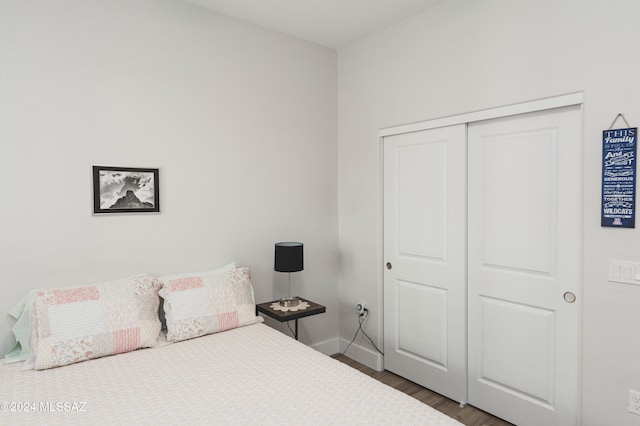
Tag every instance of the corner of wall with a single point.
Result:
(328, 347)
(363, 355)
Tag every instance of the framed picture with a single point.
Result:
(125, 190)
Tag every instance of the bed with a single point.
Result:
(249, 374)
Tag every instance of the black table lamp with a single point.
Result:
(288, 258)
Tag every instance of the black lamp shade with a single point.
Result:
(288, 257)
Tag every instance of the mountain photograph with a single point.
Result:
(125, 189)
(130, 201)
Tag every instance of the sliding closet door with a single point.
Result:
(525, 204)
(425, 255)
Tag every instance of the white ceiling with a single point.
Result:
(331, 23)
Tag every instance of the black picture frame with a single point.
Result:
(125, 190)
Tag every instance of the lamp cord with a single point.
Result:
(361, 319)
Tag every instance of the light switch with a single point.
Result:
(627, 272)
(615, 270)
(624, 271)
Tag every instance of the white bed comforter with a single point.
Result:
(250, 375)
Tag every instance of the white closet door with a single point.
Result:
(425, 250)
(525, 204)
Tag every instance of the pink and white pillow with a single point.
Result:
(79, 323)
(200, 304)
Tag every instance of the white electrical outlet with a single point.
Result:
(360, 308)
(634, 402)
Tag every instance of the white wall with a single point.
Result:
(241, 121)
(470, 55)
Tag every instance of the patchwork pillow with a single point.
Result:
(79, 323)
(165, 278)
(196, 305)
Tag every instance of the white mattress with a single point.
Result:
(250, 375)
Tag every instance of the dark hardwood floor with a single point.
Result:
(468, 415)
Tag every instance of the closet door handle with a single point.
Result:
(569, 297)
(389, 265)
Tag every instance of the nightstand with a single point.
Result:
(313, 309)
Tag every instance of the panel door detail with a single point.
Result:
(524, 242)
(425, 242)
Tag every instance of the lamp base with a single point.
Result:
(288, 302)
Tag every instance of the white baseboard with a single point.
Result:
(359, 353)
(363, 355)
(328, 347)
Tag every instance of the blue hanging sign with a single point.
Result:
(619, 177)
